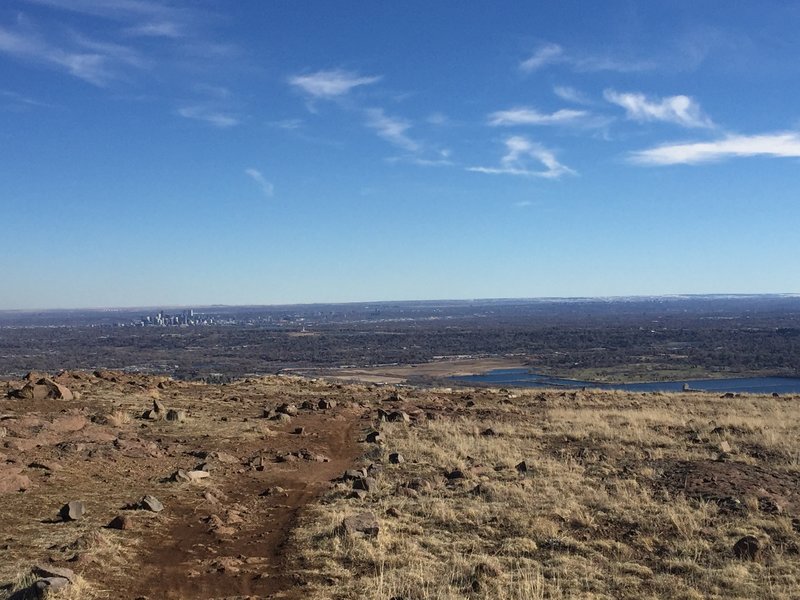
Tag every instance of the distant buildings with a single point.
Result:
(186, 318)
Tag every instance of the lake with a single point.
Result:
(526, 378)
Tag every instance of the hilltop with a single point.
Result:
(286, 487)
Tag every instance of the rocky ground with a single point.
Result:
(127, 486)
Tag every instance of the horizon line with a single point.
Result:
(440, 300)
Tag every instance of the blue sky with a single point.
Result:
(179, 153)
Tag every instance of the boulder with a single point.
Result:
(176, 415)
(362, 524)
(287, 409)
(368, 484)
(42, 588)
(49, 571)
(151, 503)
(747, 548)
(72, 511)
(42, 389)
(396, 458)
(121, 522)
(12, 480)
(398, 416)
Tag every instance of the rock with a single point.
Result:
(152, 415)
(398, 416)
(358, 494)
(368, 484)
(151, 503)
(189, 476)
(489, 432)
(725, 447)
(176, 415)
(326, 404)
(121, 522)
(393, 512)
(299, 430)
(747, 548)
(48, 571)
(47, 585)
(364, 524)
(282, 418)
(353, 474)
(396, 458)
(12, 480)
(308, 405)
(382, 415)
(288, 409)
(455, 474)
(522, 468)
(72, 511)
(273, 491)
(374, 437)
(42, 389)
(69, 423)
(158, 407)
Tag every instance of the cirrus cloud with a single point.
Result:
(776, 145)
(681, 110)
(332, 83)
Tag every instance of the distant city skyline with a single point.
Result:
(175, 153)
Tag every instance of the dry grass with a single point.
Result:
(595, 516)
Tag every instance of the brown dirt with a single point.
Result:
(217, 538)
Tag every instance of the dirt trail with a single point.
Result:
(189, 561)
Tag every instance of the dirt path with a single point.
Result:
(193, 559)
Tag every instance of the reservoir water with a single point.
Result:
(526, 378)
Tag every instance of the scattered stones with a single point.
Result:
(363, 524)
(374, 437)
(121, 522)
(747, 548)
(176, 415)
(151, 503)
(396, 458)
(72, 511)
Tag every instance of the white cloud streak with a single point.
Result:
(775, 145)
(545, 55)
(392, 129)
(95, 62)
(208, 115)
(530, 116)
(266, 187)
(551, 54)
(681, 110)
(570, 94)
(331, 84)
(521, 152)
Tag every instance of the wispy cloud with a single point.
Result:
(545, 55)
(287, 124)
(95, 62)
(521, 154)
(113, 9)
(777, 145)
(331, 84)
(530, 116)
(162, 29)
(392, 129)
(681, 110)
(551, 54)
(570, 94)
(208, 115)
(266, 186)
